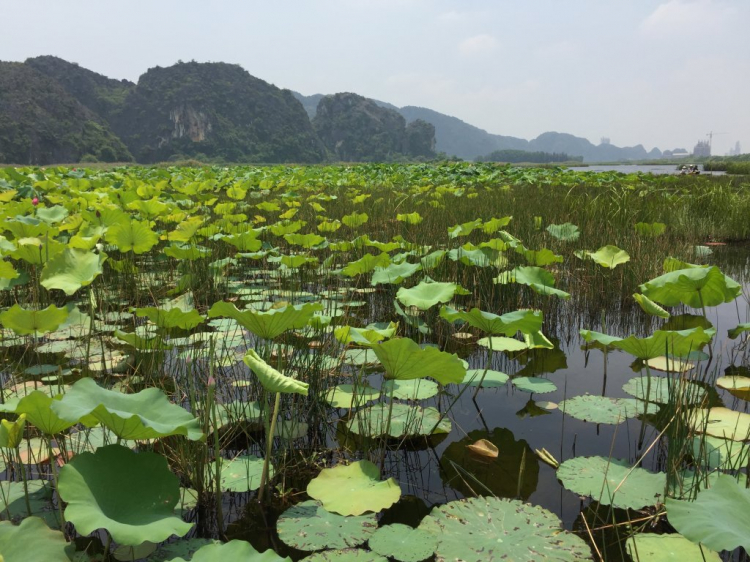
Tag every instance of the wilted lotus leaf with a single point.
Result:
(242, 474)
(426, 295)
(612, 482)
(353, 489)
(484, 448)
(403, 543)
(71, 270)
(31, 540)
(480, 529)
(722, 422)
(271, 379)
(416, 389)
(643, 547)
(602, 409)
(660, 389)
(694, 286)
(405, 421)
(131, 495)
(404, 359)
(718, 518)
(307, 526)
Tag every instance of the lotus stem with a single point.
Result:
(269, 446)
(487, 368)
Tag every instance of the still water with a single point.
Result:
(656, 169)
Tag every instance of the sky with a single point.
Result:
(661, 73)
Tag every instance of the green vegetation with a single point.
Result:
(519, 156)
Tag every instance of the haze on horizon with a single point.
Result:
(656, 72)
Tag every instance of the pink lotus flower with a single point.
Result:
(35, 201)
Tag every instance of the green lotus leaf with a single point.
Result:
(723, 454)
(186, 230)
(480, 529)
(230, 551)
(734, 383)
(304, 240)
(71, 270)
(267, 324)
(524, 321)
(131, 495)
(132, 236)
(171, 318)
(31, 540)
(308, 526)
(734, 333)
(37, 251)
(664, 342)
(26, 322)
(403, 543)
(365, 336)
(503, 344)
(349, 396)
(415, 389)
(650, 547)
(492, 379)
(599, 340)
(271, 379)
(245, 241)
(147, 343)
(405, 421)
(409, 218)
(149, 209)
(696, 287)
(540, 280)
(606, 256)
(189, 252)
(242, 474)
(52, 215)
(13, 497)
(660, 389)
(464, 229)
(36, 406)
(535, 385)
(426, 295)
(612, 482)
(602, 409)
(329, 226)
(394, 274)
(354, 220)
(567, 232)
(365, 264)
(147, 414)
(345, 555)
(650, 229)
(650, 307)
(722, 422)
(718, 518)
(478, 257)
(539, 258)
(404, 359)
(7, 271)
(353, 489)
(11, 432)
(180, 550)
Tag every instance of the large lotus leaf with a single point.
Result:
(426, 295)
(602, 409)
(405, 421)
(267, 324)
(31, 540)
(271, 379)
(7, 271)
(52, 215)
(488, 378)
(172, 318)
(665, 342)
(694, 286)
(403, 543)
(599, 340)
(612, 482)
(242, 474)
(133, 235)
(650, 547)
(349, 396)
(395, 273)
(230, 551)
(365, 264)
(606, 256)
(25, 322)
(143, 343)
(353, 489)
(345, 555)
(71, 270)
(304, 240)
(567, 232)
(365, 336)
(525, 321)
(722, 422)
(483, 529)
(131, 495)
(724, 454)
(718, 518)
(147, 414)
(537, 385)
(403, 359)
(307, 526)
(659, 390)
(503, 344)
(37, 409)
(540, 280)
(13, 501)
(414, 389)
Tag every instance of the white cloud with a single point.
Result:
(478, 44)
(683, 16)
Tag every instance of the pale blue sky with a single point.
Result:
(657, 72)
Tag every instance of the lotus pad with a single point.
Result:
(345, 555)
(185, 548)
(131, 495)
(722, 422)
(230, 551)
(611, 482)
(307, 526)
(492, 379)
(415, 389)
(242, 474)
(661, 387)
(483, 529)
(406, 421)
(353, 489)
(719, 517)
(344, 395)
(534, 384)
(601, 409)
(31, 540)
(734, 383)
(650, 547)
(403, 543)
(426, 295)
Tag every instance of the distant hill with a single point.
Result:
(41, 123)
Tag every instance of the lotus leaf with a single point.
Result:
(271, 379)
(695, 286)
(534, 384)
(171, 318)
(349, 396)
(131, 495)
(525, 321)
(661, 342)
(26, 322)
(650, 547)
(147, 414)
(132, 235)
(353, 489)
(650, 307)
(483, 529)
(722, 422)
(492, 379)
(405, 421)
(426, 295)
(147, 343)
(739, 329)
(403, 359)
(307, 526)
(612, 482)
(11, 432)
(723, 454)
(403, 543)
(669, 365)
(242, 474)
(365, 336)
(13, 501)
(567, 232)
(31, 540)
(230, 551)
(415, 389)
(268, 324)
(606, 256)
(354, 220)
(718, 518)
(540, 280)
(650, 229)
(365, 264)
(345, 555)
(184, 549)
(661, 388)
(734, 383)
(503, 344)
(36, 407)
(72, 269)
(395, 274)
(539, 258)
(602, 409)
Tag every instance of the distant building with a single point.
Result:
(703, 148)
(737, 150)
(604, 140)
(676, 153)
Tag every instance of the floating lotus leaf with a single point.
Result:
(567, 232)
(734, 383)
(71, 270)
(242, 474)
(612, 482)
(606, 256)
(405, 421)
(26, 322)
(723, 454)
(360, 357)
(353, 489)
(540, 280)
(661, 342)
(483, 529)
(229, 551)
(694, 286)
(31, 540)
(503, 344)
(131, 495)
(345, 555)
(132, 235)
(602, 409)
(536, 385)
(722, 422)
(650, 547)
(395, 274)
(492, 379)
(403, 359)
(13, 501)
(650, 307)
(147, 414)
(403, 543)
(670, 365)
(525, 321)
(415, 389)
(660, 389)
(271, 379)
(718, 518)
(349, 396)
(268, 324)
(307, 526)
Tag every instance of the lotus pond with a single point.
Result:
(378, 362)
